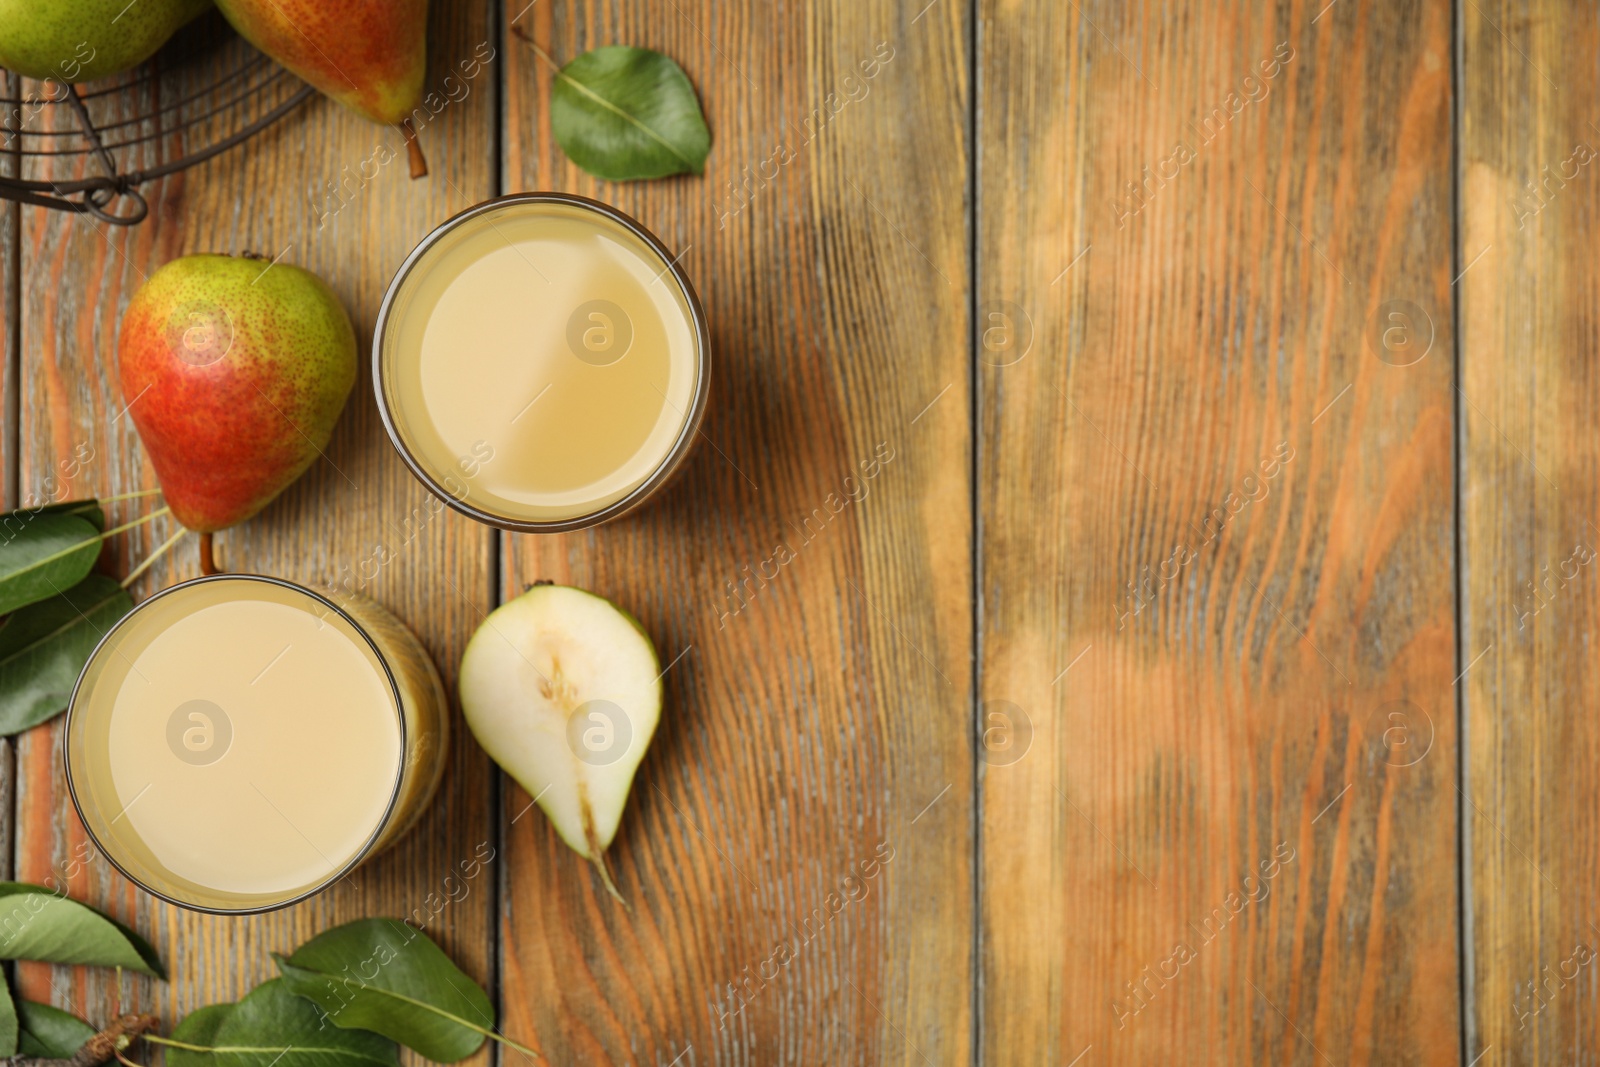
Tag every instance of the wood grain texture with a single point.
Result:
(356, 506)
(10, 281)
(1216, 534)
(10, 385)
(813, 714)
(1216, 494)
(1529, 198)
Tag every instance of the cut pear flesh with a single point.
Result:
(563, 690)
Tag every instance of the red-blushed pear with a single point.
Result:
(234, 372)
(370, 55)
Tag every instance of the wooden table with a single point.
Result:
(1206, 670)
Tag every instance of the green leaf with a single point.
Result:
(273, 1026)
(88, 509)
(36, 924)
(44, 645)
(8, 1022)
(387, 977)
(50, 1033)
(622, 113)
(43, 554)
(198, 1028)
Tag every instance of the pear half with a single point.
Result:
(563, 689)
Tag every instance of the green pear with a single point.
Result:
(563, 689)
(80, 40)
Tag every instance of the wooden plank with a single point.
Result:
(1217, 534)
(814, 717)
(270, 197)
(10, 290)
(1529, 197)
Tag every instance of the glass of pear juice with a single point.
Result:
(541, 363)
(238, 743)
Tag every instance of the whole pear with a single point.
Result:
(234, 373)
(370, 55)
(80, 40)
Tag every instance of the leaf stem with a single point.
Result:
(237, 1049)
(525, 1050)
(70, 549)
(127, 496)
(156, 514)
(108, 1043)
(542, 53)
(157, 1039)
(152, 557)
(83, 617)
(350, 983)
(608, 105)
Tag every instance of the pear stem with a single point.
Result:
(418, 161)
(152, 557)
(208, 560)
(599, 860)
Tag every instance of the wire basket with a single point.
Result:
(88, 148)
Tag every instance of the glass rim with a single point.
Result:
(394, 794)
(681, 445)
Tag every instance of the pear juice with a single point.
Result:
(540, 362)
(237, 742)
